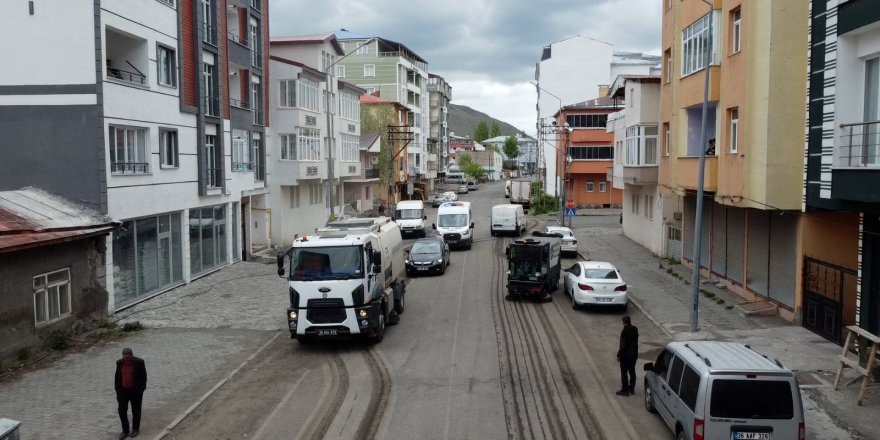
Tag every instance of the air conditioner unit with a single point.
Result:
(374, 160)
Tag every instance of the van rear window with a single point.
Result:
(751, 399)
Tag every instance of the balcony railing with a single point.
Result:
(860, 145)
(209, 34)
(210, 106)
(124, 75)
(242, 166)
(212, 178)
(371, 173)
(238, 39)
(130, 167)
(239, 103)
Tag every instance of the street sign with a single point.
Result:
(409, 188)
(570, 212)
(569, 204)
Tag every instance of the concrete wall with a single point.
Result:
(644, 229)
(17, 270)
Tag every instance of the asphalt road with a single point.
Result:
(463, 363)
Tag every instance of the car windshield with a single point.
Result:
(409, 214)
(452, 220)
(525, 263)
(425, 247)
(601, 274)
(751, 399)
(326, 263)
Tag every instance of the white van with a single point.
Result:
(454, 224)
(507, 219)
(713, 390)
(410, 215)
(507, 189)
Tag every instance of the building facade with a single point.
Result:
(439, 95)
(391, 163)
(636, 158)
(841, 239)
(166, 99)
(755, 54)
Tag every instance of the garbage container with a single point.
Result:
(9, 429)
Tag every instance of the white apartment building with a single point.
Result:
(440, 93)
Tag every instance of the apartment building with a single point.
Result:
(636, 158)
(395, 73)
(315, 144)
(585, 157)
(841, 225)
(151, 112)
(527, 160)
(755, 53)
(439, 95)
(391, 159)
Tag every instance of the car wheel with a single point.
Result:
(681, 435)
(492, 233)
(649, 399)
(379, 332)
(574, 304)
(625, 307)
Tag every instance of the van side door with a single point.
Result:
(668, 394)
(659, 385)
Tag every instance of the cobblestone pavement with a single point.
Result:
(663, 292)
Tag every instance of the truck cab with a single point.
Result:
(455, 224)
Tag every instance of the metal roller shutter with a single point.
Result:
(759, 240)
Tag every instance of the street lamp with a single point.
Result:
(331, 139)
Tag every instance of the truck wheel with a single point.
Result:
(399, 298)
(379, 332)
(303, 339)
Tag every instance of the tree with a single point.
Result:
(481, 133)
(376, 119)
(467, 165)
(496, 131)
(511, 148)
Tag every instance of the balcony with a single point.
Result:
(857, 165)
(242, 166)
(124, 75)
(688, 173)
(237, 103)
(130, 167)
(127, 58)
(288, 172)
(640, 175)
(371, 173)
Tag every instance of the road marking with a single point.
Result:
(454, 346)
(213, 389)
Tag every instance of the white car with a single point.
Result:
(595, 283)
(569, 242)
(451, 196)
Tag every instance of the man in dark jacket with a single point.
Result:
(627, 355)
(130, 383)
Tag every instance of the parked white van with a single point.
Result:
(410, 215)
(454, 224)
(507, 219)
(712, 390)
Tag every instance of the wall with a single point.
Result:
(17, 269)
(644, 230)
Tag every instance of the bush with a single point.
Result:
(58, 340)
(23, 354)
(132, 326)
(544, 204)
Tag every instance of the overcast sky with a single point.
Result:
(486, 49)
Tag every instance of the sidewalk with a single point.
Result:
(663, 293)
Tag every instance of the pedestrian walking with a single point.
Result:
(627, 355)
(130, 382)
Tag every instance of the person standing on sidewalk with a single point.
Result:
(130, 382)
(627, 355)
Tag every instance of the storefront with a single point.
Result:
(207, 239)
(147, 257)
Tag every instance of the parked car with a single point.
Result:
(716, 390)
(595, 283)
(427, 255)
(451, 196)
(471, 186)
(569, 242)
(462, 189)
(439, 199)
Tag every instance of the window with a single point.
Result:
(603, 186)
(649, 207)
(587, 121)
(240, 152)
(662, 364)
(307, 95)
(51, 296)
(733, 398)
(370, 90)
(666, 138)
(736, 30)
(211, 106)
(696, 46)
(634, 204)
(590, 186)
(168, 148)
(734, 129)
(288, 146)
(690, 387)
(369, 70)
(128, 150)
(308, 144)
(641, 145)
(315, 195)
(287, 88)
(212, 170)
(350, 148)
(256, 52)
(867, 149)
(340, 71)
(350, 106)
(167, 2)
(294, 197)
(667, 74)
(675, 374)
(367, 192)
(166, 66)
(591, 152)
(362, 48)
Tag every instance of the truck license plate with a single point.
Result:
(452, 241)
(327, 332)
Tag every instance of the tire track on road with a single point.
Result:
(379, 396)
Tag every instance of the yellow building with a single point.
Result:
(757, 56)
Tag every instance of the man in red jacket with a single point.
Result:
(130, 383)
(627, 355)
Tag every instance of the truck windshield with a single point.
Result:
(327, 263)
(452, 220)
(525, 263)
(409, 214)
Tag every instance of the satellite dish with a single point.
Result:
(374, 160)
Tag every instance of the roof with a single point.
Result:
(600, 103)
(725, 356)
(617, 89)
(310, 39)
(304, 67)
(31, 217)
(344, 34)
(368, 140)
(373, 99)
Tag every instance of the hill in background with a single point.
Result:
(463, 121)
